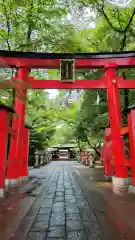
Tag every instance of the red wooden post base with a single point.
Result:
(12, 170)
(107, 154)
(25, 153)
(131, 129)
(4, 125)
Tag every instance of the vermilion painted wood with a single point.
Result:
(124, 130)
(115, 122)
(56, 84)
(131, 126)
(125, 84)
(33, 83)
(4, 122)
(25, 153)
(14, 168)
(78, 84)
(11, 131)
(52, 61)
(107, 154)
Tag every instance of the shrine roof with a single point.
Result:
(40, 55)
(31, 60)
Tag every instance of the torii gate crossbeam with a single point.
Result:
(52, 60)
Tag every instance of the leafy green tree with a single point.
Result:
(41, 118)
(45, 26)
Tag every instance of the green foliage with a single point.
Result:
(43, 26)
(41, 118)
(113, 31)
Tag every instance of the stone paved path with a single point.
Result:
(62, 211)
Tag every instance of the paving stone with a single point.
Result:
(71, 205)
(73, 225)
(60, 189)
(45, 211)
(71, 216)
(67, 201)
(67, 197)
(47, 203)
(39, 227)
(59, 194)
(62, 214)
(58, 204)
(59, 199)
(72, 210)
(68, 188)
(51, 191)
(42, 218)
(36, 236)
(57, 219)
(66, 210)
(56, 232)
(55, 238)
(69, 192)
(76, 235)
(52, 187)
(58, 209)
(51, 196)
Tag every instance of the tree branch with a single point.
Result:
(109, 22)
(131, 31)
(112, 26)
(123, 42)
(27, 44)
(130, 21)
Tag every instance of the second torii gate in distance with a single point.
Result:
(25, 62)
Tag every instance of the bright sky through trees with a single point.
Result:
(121, 3)
(52, 93)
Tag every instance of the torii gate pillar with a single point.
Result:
(120, 181)
(14, 159)
(25, 154)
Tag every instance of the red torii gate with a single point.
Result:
(24, 62)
